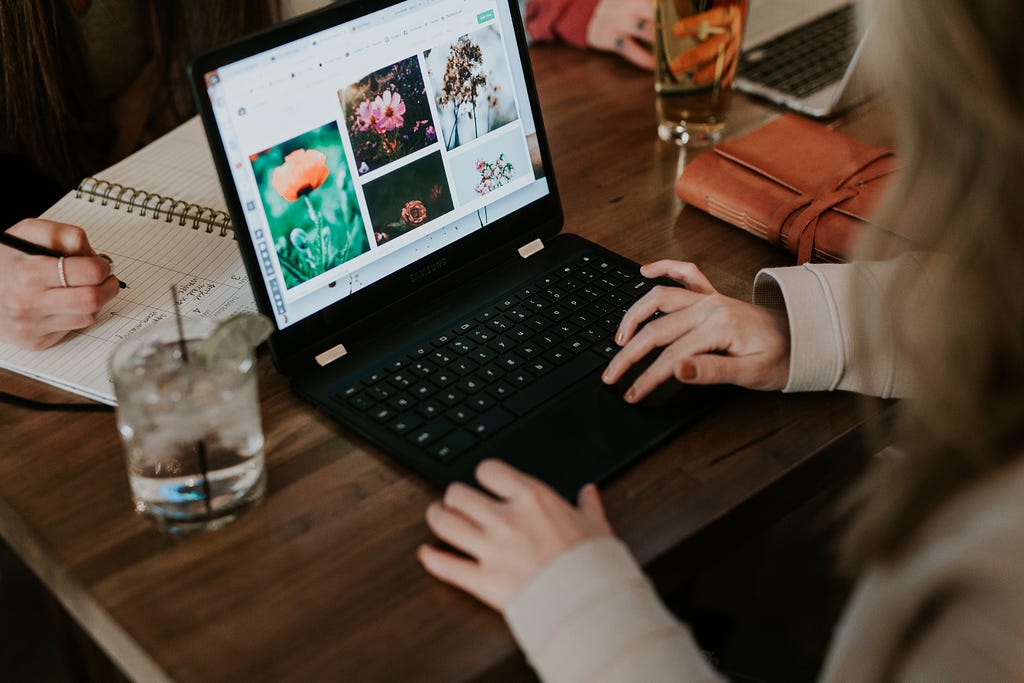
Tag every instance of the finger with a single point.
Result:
(643, 26)
(65, 238)
(454, 529)
(718, 17)
(699, 54)
(39, 333)
(636, 53)
(457, 571)
(502, 479)
(658, 333)
(78, 300)
(589, 502)
(660, 299)
(692, 360)
(479, 508)
(683, 272)
(656, 374)
(43, 272)
(712, 368)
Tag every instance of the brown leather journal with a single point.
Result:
(794, 182)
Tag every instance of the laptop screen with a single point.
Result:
(358, 150)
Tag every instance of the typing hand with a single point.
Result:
(717, 31)
(625, 27)
(707, 338)
(508, 539)
(36, 311)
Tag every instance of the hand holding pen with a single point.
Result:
(51, 282)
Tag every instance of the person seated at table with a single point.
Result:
(84, 83)
(625, 27)
(936, 536)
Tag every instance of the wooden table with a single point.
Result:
(320, 582)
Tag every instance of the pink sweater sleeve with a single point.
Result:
(566, 20)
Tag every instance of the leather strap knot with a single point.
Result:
(800, 217)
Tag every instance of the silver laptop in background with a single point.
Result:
(803, 54)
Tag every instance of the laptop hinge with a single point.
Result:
(528, 250)
(331, 355)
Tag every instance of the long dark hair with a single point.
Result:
(49, 106)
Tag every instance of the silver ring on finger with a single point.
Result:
(60, 272)
(620, 44)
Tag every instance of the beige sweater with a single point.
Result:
(952, 609)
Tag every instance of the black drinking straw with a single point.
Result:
(204, 467)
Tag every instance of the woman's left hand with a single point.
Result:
(509, 537)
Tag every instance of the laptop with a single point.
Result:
(386, 168)
(803, 54)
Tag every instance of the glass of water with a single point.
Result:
(190, 424)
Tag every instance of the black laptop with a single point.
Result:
(387, 172)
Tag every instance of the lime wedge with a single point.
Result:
(240, 330)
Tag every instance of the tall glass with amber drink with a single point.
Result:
(697, 48)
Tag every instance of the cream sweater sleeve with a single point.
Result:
(591, 615)
(821, 301)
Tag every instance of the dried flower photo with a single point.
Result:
(310, 203)
(473, 86)
(388, 115)
(408, 198)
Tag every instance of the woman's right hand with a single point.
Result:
(625, 27)
(36, 311)
(707, 338)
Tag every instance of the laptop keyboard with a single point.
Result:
(806, 59)
(448, 393)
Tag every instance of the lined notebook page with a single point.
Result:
(149, 255)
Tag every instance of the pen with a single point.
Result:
(33, 249)
(27, 247)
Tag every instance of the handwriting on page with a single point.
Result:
(151, 254)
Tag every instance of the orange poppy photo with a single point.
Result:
(307, 193)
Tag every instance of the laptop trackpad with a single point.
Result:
(589, 432)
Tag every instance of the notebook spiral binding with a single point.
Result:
(159, 206)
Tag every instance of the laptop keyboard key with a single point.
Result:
(427, 434)
(382, 413)
(361, 401)
(430, 409)
(404, 423)
(490, 422)
(402, 402)
(453, 445)
(481, 402)
(461, 414)
(450, 396)
(500, 390)
(470, 385)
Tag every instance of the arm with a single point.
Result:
(800, 334)
(592, 613)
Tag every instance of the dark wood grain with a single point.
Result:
(320, 581)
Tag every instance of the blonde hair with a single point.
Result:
(955, 71)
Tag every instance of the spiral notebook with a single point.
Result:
(160, 215)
